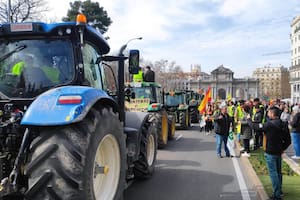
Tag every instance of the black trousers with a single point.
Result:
(258, 139)
(246, 145)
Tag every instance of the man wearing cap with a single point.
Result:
(222, 125)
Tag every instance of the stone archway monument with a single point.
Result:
(222, 93)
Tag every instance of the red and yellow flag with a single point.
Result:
(206, 99)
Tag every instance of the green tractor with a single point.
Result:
(147, 97)
(193, 99)
(175, 102)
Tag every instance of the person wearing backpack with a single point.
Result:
(277, 139)
(295, 132)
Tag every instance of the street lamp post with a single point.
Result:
(121, 98)
(9, 11)
(125, 45)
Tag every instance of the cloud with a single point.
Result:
(207, 32)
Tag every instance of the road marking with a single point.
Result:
(241, 180)
(178, 137)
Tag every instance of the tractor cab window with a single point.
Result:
(174, 100)
(144, 93)
(31, 67)
(92, 73)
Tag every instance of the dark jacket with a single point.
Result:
(149, 76)
(273, 134)
(246, 131)
(295, 123)
(221, 124)
(258, 116)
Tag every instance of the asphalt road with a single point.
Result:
(188, 169)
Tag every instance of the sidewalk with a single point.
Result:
(261, 193)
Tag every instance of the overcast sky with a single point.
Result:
(235, 33)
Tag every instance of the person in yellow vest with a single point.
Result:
(231, 111)
(17, 68)
(139, 76)
(238, 116)
(50, 72)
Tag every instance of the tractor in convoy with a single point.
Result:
(193, 99)
(147, 97)
(64, 131)
(175, 103)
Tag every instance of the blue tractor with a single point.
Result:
(64, 132)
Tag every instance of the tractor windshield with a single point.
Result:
(174, 100)
(30, 67)
(143, 93)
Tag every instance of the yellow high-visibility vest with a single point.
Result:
(231, 111)
(138, 77)
(18, 68)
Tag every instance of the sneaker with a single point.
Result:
(229, 156)
(245, 154)
(295, 157)
(220, 156)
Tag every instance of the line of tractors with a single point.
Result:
(69, 128)
(168, 110)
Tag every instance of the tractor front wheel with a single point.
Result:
(85, 160)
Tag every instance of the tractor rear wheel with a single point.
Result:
(183, 119)
(194, 115)
(162, 130)
(85, 160)
(172, 127)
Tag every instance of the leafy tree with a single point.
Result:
(95, 14)
(22, 10)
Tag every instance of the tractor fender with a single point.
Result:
(134, 120)
(46, 110)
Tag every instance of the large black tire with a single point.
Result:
(162, 127)
(64, 165)
(183, 121)
(171, 127)
(145, 165)
(194, 114)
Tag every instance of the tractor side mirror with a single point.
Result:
(134, 61)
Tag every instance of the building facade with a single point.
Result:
(273, 82)
(295, 61)
(224, 85)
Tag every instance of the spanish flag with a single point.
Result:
(206, 99)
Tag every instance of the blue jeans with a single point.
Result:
(219, 140)
(296, 143)
(274, 168)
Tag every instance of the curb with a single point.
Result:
(294, 166)
(257, 185)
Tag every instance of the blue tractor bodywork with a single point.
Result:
(47, 111)
(62, 86)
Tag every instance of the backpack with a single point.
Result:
(285, 135)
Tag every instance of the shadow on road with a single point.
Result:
(178, 184)
(189, 144)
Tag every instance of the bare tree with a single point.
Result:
(22, 10)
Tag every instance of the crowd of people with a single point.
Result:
(256, 124)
